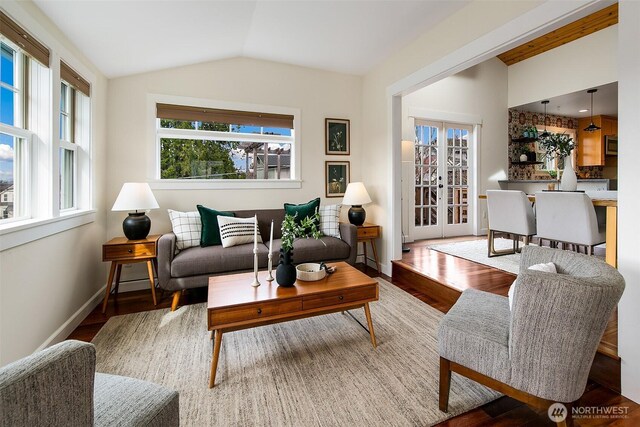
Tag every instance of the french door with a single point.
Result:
(443, 174)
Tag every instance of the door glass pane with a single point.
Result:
(418, 220)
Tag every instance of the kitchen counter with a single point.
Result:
(531, 186)
(546, 181)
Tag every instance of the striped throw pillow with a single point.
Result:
(236, 231)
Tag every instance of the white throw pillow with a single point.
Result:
(548, 267)
(330, 220)
(187, 227)
(236, 231)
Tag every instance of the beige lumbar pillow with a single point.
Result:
(548, 267)
(236, 231)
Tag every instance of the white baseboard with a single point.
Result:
(67, 327)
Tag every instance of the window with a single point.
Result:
(198, 143)
(74, 93)
(67, 148)
(14, 146)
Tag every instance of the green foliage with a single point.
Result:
(558, 145)
(196, 158)
(553, 174)
(291, 230)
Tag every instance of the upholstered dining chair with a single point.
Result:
(568, 217)
(540, 350)
(59, 386)
(510, 212)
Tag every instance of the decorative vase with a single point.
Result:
(523, 157)
(569, 181)
(286, 271)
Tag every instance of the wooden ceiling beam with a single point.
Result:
(589, 24)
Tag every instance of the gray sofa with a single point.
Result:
(192, 267)
(59, 386)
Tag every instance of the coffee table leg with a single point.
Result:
(214, 359)
(367, 312)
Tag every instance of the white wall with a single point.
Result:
(317, 94)
(470, 23)
(48, 286)
(582, 64)
(628, 201)
(479, 92)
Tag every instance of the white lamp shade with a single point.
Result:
(135, 196)
(356, 195)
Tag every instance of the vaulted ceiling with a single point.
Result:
(349, 36)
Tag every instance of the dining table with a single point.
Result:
(609, 200)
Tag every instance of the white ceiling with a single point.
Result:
(349, 36)
(605, 102)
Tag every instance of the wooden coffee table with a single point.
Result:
(233, 304)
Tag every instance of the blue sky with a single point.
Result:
(6, 116)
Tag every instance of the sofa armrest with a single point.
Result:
(52, 387)
(166, 252)
(349, 233)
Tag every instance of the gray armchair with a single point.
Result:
(540, 352)
(59, 387)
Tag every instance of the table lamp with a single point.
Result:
(356, 196)
(135, 196)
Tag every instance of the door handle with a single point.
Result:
(440, 185)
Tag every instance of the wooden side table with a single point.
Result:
(121, 250)
(368, 232)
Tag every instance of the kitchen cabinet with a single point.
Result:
(591, 148)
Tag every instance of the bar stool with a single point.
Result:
(509, 212)
(568, 217)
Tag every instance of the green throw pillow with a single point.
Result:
(210, 235)
(304, 210)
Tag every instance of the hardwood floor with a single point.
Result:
(448, 276)
(501, 412)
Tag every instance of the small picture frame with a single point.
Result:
(337, 177)
(337, 137)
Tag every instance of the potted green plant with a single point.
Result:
(291, 231)
(559, 146)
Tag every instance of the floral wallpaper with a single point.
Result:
(519, 119)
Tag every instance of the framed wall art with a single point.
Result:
(337, 176)
(337, 138)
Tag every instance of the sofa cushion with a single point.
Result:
(330, 220)
(238, 231)
(187, 227)
(313, 250)
(475, 334)
(122, 401)
(217, 259)
(210, 235)
(303, 210)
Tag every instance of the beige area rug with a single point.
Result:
(476, 251)
(321, 371)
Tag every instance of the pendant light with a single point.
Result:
(545, 134)
(591, 126)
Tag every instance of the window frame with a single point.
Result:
(41, 114)
(154, 173)
(69, 123)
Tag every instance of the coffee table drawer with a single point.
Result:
(223, 316)
(339, 297)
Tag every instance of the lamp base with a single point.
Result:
(357, 215)
(136, 226)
